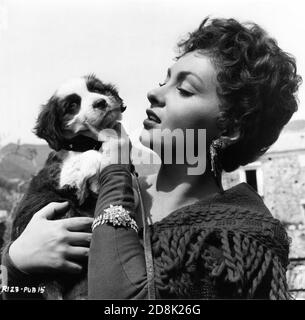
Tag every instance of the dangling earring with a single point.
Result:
(215, 148)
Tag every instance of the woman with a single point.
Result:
(235, 82)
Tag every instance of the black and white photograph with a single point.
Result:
(152, 150)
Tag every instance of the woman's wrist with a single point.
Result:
(115, 189)
(116, 216)
(16, 259)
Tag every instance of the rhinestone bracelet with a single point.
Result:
(115, 215)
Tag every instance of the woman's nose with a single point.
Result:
(156, 97)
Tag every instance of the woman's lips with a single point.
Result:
(152, 120)
(153, 116)
(148, 124)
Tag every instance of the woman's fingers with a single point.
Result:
(79, 238)
(71, 267)
(120, 131)
(77, 253)
(123, 132)
(77, 223)
(52, 209)
(103, 135)
(94, 131)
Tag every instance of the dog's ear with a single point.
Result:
(48, 125)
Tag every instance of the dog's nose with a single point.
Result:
(100, 104)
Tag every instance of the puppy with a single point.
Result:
(71, 172)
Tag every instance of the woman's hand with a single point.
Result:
(116, 145)
(52, 245)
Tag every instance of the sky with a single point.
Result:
(130, 43)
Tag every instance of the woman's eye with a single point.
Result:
(161, 84)
(185, 93)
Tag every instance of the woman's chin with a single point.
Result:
(145, 138)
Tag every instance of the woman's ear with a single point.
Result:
(233, 136)
(48, 125)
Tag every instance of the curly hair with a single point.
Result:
(257, 83)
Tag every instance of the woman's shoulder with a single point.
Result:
(243, 205)
(243, 197)
(238, 210)
(240, 202)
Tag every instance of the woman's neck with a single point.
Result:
(172, 188)
(176, 177)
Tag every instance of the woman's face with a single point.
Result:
(186, 100)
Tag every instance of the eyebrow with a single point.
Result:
(184, 74)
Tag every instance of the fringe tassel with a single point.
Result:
(181, 254)
(247, 264)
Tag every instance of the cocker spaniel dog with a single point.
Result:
(71, 171)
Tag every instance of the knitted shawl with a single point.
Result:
(228, 246)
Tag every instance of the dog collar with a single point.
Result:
(81, 144)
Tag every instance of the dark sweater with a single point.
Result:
(225, 246)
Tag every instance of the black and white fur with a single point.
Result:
(71, 171)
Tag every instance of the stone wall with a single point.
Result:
(296, 268)
(284, 186)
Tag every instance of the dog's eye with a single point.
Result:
(72, 107)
